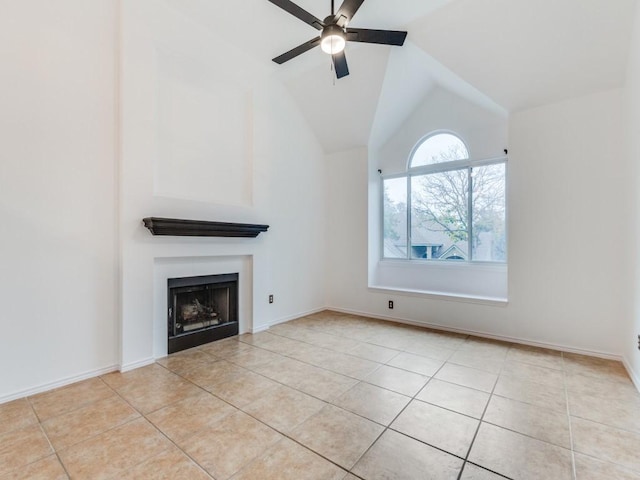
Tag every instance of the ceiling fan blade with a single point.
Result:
(299, 12)
(299, 50)
(385, 37)
(340, 64)
(347, 11)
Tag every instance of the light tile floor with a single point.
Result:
(335, 396)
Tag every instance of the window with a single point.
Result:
(447, 206)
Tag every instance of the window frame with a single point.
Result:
(411, 172)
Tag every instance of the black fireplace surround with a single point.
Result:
(201, 310)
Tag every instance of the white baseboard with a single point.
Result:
(57, 384)
(475, 333)
(634, 377)
(288, 318)
(140, 363)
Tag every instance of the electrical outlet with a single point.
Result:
(391, 305)
(270, 298)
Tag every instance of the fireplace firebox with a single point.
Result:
(201, 310)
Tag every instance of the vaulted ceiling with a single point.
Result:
(506, 55)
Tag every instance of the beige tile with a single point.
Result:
(606, 443)
(375, 353)
(491, 363)
(79, 425)
(349, 365)
(243, 389)
(485, 346)
(154, 393)
(610, 402)
(283, 408)
(416, 364)
(455, 397)
(333, 342)
(620, 411)
(517, 456)
(467, 377)
(533, 393)
(276, 343)
(229, 445)
(588, 468)
(227, 346)
(438, 427)
(169, 465)
(289, 461)
(397, 457)
(338, 435)
(602, 387)
(208, 376)
(65, 399)
(337, 362)
(374, 403)
(186, 417)
(252, 358)
(48, 468)
(401, 381)
(425, 349)
(473, 472)
(182, 361)
(150, 373)
(22, 447)
(611, 370)
(541, 357)
(15, 415)
(541, 423)
(115, 451)
(309, 379)
(259, 339)
(533, 373)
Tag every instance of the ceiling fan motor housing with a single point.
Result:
(333, 38)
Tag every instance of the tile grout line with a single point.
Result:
(284, 434)
(42, 429)
(566, 398)
(486, 407)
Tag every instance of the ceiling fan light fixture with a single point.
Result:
(332, 40)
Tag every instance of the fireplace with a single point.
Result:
(201, 310)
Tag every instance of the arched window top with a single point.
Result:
(438, 148)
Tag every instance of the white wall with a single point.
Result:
(58, 248)
(564, 191)
(632, 102)
(217, 115)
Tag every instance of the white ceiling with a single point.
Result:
(506, 55)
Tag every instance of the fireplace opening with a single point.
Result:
(201, 310)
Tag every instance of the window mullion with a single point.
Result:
(470, 212)
(409, 209)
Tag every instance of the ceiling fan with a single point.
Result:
(335, 33)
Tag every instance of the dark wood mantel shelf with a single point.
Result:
(198, 228)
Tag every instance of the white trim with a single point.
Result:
(449, 297)
(634, 377)
(45, 387)
(261, 328)
(288, 318)
(140, 363)
(550, 346)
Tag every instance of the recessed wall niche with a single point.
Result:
(204, 133)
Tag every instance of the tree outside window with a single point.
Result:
(457, 206)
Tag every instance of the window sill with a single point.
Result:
(450, 297)
(443, 264)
